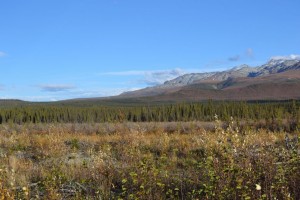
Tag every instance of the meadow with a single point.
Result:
(148, 160)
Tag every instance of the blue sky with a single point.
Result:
(61, 49)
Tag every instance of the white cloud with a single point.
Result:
(290, 57)
(159, 77)
(249, 52)
(2, 54)
(150, 77)
(55, 88)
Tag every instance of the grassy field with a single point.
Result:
(190, 160)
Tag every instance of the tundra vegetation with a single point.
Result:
(222, 157)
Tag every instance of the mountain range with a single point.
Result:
(278, 79)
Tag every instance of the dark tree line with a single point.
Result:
(270, 111)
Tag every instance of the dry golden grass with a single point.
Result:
(147, 161)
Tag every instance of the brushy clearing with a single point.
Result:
(147, 161)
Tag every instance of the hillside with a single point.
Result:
(275, 80)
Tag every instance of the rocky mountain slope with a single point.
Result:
(277, 79)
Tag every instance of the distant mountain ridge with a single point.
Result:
(284, 74)
(273, 66)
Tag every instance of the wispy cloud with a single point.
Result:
(247, 54)
(2, 54)
(73, 94)
(159, 77)
(289, 57)
(104, 92)
(55, 87)
(234, 58)
(150, 77)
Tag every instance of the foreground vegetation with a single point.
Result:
(179, 160)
